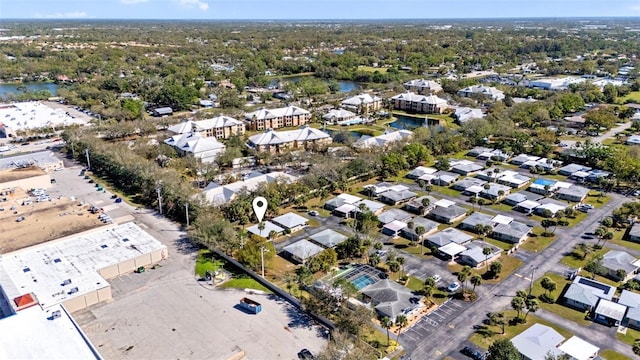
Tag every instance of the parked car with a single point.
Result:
(437, 278)
(472, 353)
(314, 213)
(305, 354)
(453, 287)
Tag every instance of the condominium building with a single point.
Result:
(277, 118)
(276, 142)
(422, 86)
(362, 104)
(220, 127)
(425, 104)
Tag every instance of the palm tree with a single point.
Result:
(420, 230)
(486, 251)
(401, 260)
(427, 291)
(517, 304)
(401, 321)
(261, 227)
(425, 204)
(386, 323)
(532, 306)
(476, 280)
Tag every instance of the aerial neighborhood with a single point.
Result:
(327, 190)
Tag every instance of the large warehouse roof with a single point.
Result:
(63, 269)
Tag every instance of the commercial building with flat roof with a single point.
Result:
(73, 271)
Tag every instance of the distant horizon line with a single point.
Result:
(333, 19)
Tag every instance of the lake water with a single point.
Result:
(344, 85)
(408, 122)
(5, 89)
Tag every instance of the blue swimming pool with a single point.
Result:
(363, 281)
(544, 182)
(351, 122)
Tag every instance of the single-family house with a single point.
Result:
(474, 255)
(551, 205)
(465, 114)
(162, 111)
(340, 200)
(449, 235)
(537, 342)
(344, 211)
(394, 214)
(615, 260)
(389, 298)
(216, 194)
(485, 91)
(578, 349)
(422, 86)
(451, 250)
(267, 231)
(411, 233)
(276, 118)
(569, 169)
(573, 193)
(302, 250)
(495, 192)
(382, 187)
(468, 182)
(514, 199)
(389, 137)
(393, 228)
(633, 140)
(634, 232)
(580, 176)
(523, 158)
(632, 301)
(514, 232)
(584, 294)
(207, 149)
(609, 313)
(291, 221)
(328, 238)
(421, 205)
(527, 206)
(419, 171)
(471, 222)
(444, 178)
(397, 197)
(596, 174)
(466, 167)
(476, 151)
(339, 116)
(369, 205)
(448, 215)
(362, 104)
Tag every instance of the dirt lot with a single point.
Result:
(43, 222)
(18, 174)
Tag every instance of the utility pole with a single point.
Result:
(186, 209)
(158, 189)
(86, 152)
(262, 259)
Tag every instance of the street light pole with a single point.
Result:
(158, 189)
(86, 152)
(186, 209)
(533, 272)
(262, 259)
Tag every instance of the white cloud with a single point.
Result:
(191, 3)
(129, 2)
(65, 15)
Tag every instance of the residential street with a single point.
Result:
(498, 297)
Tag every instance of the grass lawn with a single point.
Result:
(595, 200)
(559, 309)
(509, 265)
(630, 337)
(501, 244)
(446, 191)
(575, 260)
(612, 355)
(501, 208)
(536, 242)
(374, 337)
(372, 69)
(404, 245)
(486, 335)
(205, 261)
(244, 283)
(618, 235)
(633, 96)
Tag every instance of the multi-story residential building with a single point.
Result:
(362, 104)
(276, 142)
(486, 91)
(277, 118)
(220, 127)
(425, 104)
(422, 86)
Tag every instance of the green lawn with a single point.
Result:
(205, 262)
(446, 191)
(486, 335)
(630, 337)
(509, 265)
(501, 244)
(575, 260)
(404, 245)
(536, 242)
(501, 207)
(597, 201)
(372, 69)
(618, 240)
(244, 283)
(609, 354)
(633, 96)
(559, 309)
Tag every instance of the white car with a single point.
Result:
(437, 278)
(453, 287)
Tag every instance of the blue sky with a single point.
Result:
(312, 9)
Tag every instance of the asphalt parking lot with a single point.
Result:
(431, 323)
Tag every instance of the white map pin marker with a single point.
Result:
(260, 207)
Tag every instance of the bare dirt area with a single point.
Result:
(20, 173)
(42, 222)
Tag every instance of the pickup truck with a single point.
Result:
(251, 306)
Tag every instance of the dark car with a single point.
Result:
(472, 353)
(305, 354)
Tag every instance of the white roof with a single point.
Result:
(452, 249)
(422, 83)
(502, 219)
(476, 189)
(303, 249)
(338, 113)
(32, 115)
(349, 199)
(538, 340)
(529, 204)
(554, 208)
(444, 203)
(610, 309)
(31, 335)
(188, 126)
(579, 349)
(272, 137)
(345, 209)
(395, 225)
(360, 99)
(218, 195)
(268, 228)
(382, 140)
(290, 220)
(201, 147)
(78, 259)
(275, 113)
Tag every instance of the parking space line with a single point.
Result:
(518, 275)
